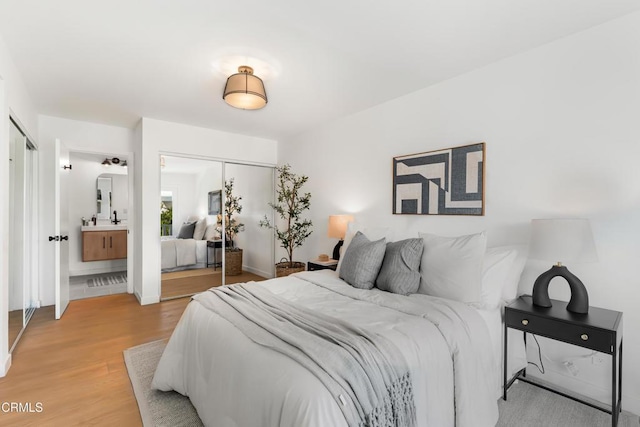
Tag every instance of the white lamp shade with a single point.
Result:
(562, 240)
(338, 225)
(244, 90)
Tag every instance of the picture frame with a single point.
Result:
(450, 181)
(215, 202)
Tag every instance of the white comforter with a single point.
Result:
(233, 381)
(179, 253)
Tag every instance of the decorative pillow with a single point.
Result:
(452, 267)
(362, 261)
(186, 231)
(495, 271)
(371, 233)
(400, 272)
(198, 231)
(211, 233)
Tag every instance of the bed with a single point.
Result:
(188, 249)
(450, 349)
(182, 254)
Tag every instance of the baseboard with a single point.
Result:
(100, 270)
(4, 367)
(147, 300)
(257, 271)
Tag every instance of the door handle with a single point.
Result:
(111, 241)
(64, 238)
(54, 238)
(104, 243)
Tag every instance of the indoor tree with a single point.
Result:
(291, 203)
(232, 206)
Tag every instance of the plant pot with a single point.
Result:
(233, 262)
(284, 269)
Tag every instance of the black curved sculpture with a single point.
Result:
(579, 302)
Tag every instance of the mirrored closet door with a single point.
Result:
(247, 192)
(23, 232)
(201, 245)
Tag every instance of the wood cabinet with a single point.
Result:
(104, 245)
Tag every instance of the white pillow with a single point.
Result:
(372, 234)
(451, 267)
(198, 232)
(210, 233)
(510, 290)
(496, 267)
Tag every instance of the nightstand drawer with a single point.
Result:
(583, 336)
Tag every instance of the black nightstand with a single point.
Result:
(311, 266)
(599, 330)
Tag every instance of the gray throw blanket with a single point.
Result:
(364, 372)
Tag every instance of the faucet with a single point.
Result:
(115, 218)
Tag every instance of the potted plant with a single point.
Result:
(233, 254)
(290, 205)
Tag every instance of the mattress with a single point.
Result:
(233, 381)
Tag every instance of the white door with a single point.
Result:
(61, 229)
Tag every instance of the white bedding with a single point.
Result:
(233, 381)
(178, 254)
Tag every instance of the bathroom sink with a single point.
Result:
(105, 227)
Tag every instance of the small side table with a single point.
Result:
(332, 264)
(215, 244)
(599, 330)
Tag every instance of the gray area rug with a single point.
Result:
(107, 280)
(528, 406)
(157, 408)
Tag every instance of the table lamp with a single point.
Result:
(562, 240)
(337, 229)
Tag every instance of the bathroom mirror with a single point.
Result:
(112, 194)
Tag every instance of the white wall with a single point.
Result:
(14, 100)
(207, 180)
(154, 137)
(255, 185)
(561, 126)
(82, 203)
(185, 200)
(79, 137)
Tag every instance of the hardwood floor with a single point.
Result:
(74, 366)
(189, 282)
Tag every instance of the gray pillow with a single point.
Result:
(186, 231)
(400, 272)
(362, 261)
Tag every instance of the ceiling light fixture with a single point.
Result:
(244, 90)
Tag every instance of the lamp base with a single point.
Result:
(579, 302)
(336, 250)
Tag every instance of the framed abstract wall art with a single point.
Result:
(442, 182)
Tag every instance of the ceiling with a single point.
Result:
(115, 61)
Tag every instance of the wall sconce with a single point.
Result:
(115, 161)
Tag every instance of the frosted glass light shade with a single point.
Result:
(338, 225)
(244, 90)
(562, 240)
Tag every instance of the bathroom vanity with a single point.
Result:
(104, 242)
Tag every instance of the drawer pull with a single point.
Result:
(525, 322)
(584, 337)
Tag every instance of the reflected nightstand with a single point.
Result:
(332, 264)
